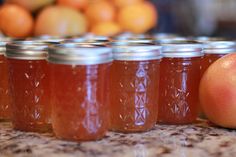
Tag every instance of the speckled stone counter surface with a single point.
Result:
(198, 140)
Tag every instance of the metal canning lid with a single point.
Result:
(127, 36)
(2, 47)
(47, 37)
(182, 50)
(95, 43)
(92, 37)
(3, 42)
(137, 52)
(132, 42)
(26, 50)
(123, 36)
(100, 40)
(76, 54)
(133, 37)
(219, 47)
(159, 36)
(75, 40)
(48, 40)
(85, 42)
(52, 41)
(172, 40)
(203, 39)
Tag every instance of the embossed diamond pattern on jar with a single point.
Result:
(134, 95)
(140, 95)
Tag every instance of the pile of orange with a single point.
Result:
(23, 18)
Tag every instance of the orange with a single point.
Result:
(15, 21)
(100, 11)
(106, 29)
(31, 5)
(138, 18)
(122, 3)
(217, 91)
(78, 4)
(60, 21)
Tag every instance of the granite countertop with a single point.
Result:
(198, 140)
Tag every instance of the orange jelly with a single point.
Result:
(213, 50)
(179, 83)
(5, 108)
(79, 99)
(134, 86)
(29, 86)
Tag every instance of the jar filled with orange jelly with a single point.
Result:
(79, 91)
(179, 83)
(5, 107)
(134, 87)
(213, 50)
(29, 85)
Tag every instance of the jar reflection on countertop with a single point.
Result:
(134, 84)
(5, 106)
(79, 99)
(213, 50)
(179, 82)
(29, 85)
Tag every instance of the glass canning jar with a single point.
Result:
(79, 77)
(134, 86)
(179, 83)
(213, 50)
(5, 99)
(29, 85)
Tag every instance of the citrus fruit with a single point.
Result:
(78, 4)
(100, 11)
(122, 3)
(31, 5)
(106, 29)
(138, 18)
(217, 92)
(15, 21)
(60, 21)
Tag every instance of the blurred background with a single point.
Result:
(183, 17)
(197, 17)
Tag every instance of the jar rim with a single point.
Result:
(131, 36)
(137, 52)
(203, 39)
(26, 50)
(3, 47)
(3, 42)
(159, 36)
(72, 53)
(132, 42)
(219, 47)
(182, 49)
(173, 40)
